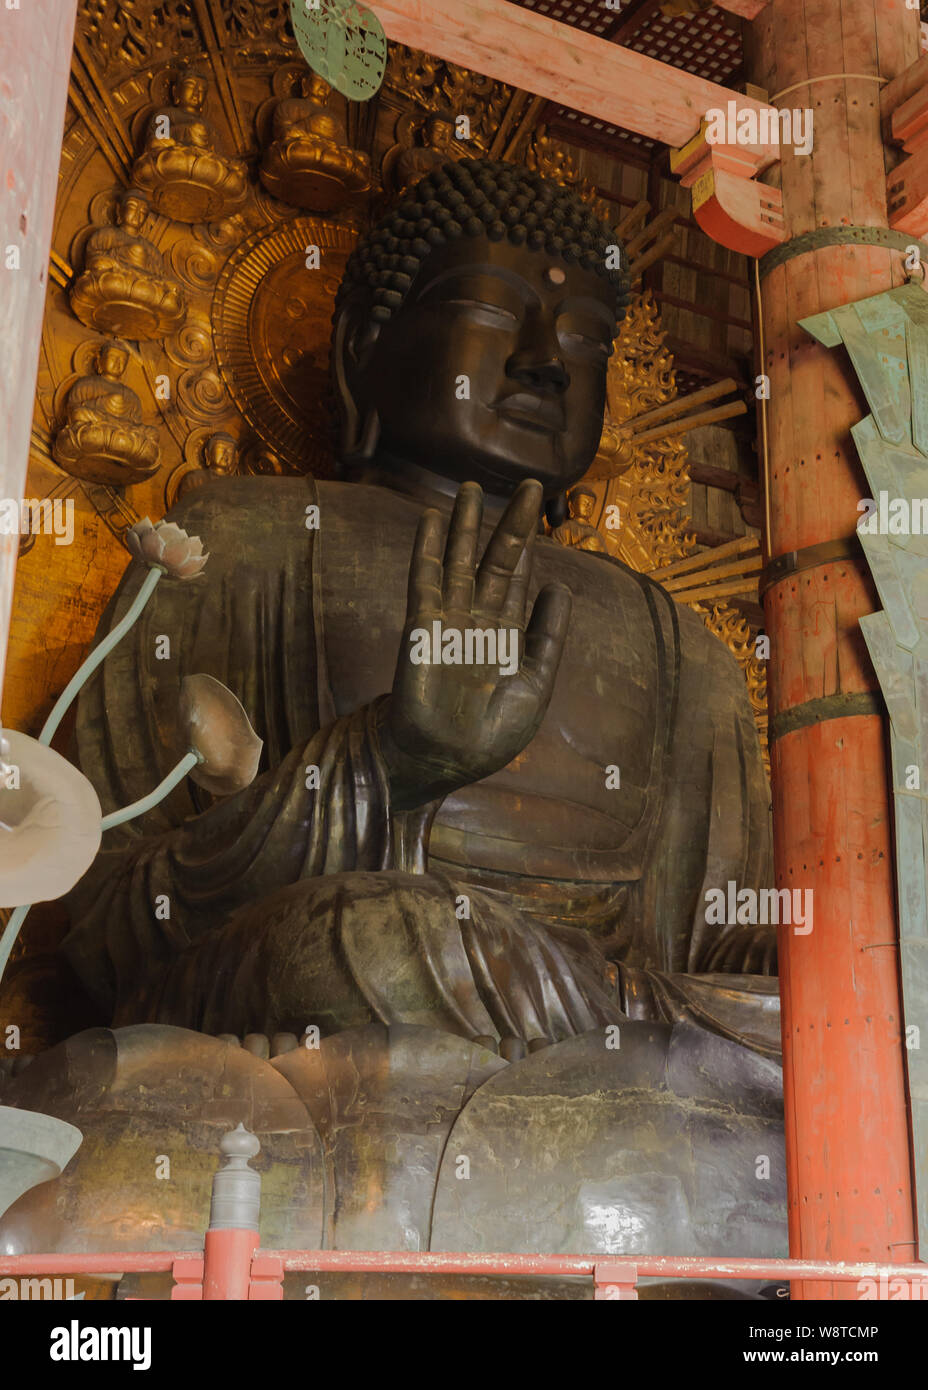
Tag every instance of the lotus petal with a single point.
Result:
(49, 824)
(168, 547)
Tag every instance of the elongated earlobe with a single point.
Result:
(359, 423)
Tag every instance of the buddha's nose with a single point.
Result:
(543, 373)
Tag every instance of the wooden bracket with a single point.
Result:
(904, 107)
(745, 9)
(729, 204)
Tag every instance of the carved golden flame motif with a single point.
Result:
(642, 490)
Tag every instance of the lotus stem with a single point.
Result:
(87, 667)
(138, 808)
(10, 933)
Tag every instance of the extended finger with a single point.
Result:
(461, 548)
(512, 613)
(423, 598)
(505, 546)
(545, 637)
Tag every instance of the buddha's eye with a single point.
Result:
(490, 313)
(590, 344)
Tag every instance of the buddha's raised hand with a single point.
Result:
(473, 678)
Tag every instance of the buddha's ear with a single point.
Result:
(354, 337)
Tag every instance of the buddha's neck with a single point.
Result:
(422, 485)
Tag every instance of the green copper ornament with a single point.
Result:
(343, 42)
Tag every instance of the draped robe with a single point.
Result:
(307, 899)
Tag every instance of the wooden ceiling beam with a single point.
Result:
(744, 9)
(566, 65)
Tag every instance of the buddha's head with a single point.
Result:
(439, 134)
(219, 454)
(315, 87)
(132, 209)
(473, 329)
(112, 359)
(190, 91)
(581, 501)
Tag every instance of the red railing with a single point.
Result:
(233, 1266)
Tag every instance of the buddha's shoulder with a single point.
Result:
(253, 505)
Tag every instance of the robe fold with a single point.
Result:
(305, 899)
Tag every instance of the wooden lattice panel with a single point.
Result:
(591, 15)
(704, 44)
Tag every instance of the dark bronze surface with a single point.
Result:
(441, 856)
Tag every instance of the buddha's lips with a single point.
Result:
(533, 410)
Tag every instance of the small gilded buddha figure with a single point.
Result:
(439, 144)
(182, 168)
(103, 438)
(124, 289)
(220, 460)
(578, 530)
(309, 162)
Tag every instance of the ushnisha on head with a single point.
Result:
(473, 328)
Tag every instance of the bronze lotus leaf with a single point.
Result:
(168, 547)
(219, 730)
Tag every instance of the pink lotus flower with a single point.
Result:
(166, 547)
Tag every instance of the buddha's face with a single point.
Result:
(494, 367)
(112, 361)
(220, 456)
(132, 213)
(190, 92)
(316, 88)
(440, 135)
(581, 505)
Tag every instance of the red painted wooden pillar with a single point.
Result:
(848, 1143)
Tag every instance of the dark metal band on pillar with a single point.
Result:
(810, 557)
(844, 704)
(839, 236)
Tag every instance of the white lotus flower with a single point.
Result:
(166, 546)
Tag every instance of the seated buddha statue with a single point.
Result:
(103, 438)
(182, 168)
(578, 530)
(124, 289)
(499, 777)
(220, 460)
(438, 144)
(309, 162)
